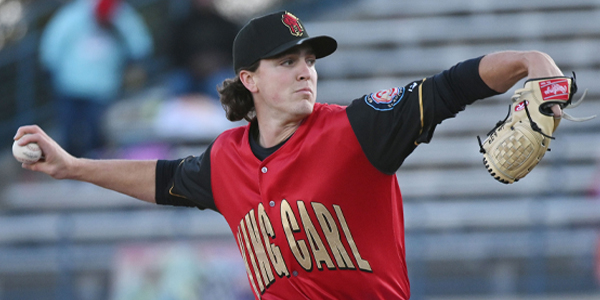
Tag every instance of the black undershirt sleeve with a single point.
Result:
(185, 182)
(389, 134)
(457, 87)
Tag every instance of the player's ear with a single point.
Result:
(247, 79)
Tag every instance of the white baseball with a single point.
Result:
(28, 154)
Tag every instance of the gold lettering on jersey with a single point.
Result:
(263, 252)
(316, 245)
(362, 264)
(274, 252)
(243, 251)
(261, 286)
(332, 235)
(259, 249)
(290, 225)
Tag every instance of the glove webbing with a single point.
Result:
(534, 125)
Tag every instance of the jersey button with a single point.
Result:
(295, 273)
(264, 170)
(272, 203)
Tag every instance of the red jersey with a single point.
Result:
(312, 219)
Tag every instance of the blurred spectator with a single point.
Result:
(86, 47)
(201, 51)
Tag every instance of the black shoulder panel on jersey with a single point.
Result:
(388, 127)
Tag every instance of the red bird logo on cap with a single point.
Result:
(293, 24)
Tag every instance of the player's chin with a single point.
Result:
(310, 102)
(305, 108)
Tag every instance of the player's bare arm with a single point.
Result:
(133, 178)
(502, 70)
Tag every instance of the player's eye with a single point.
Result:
(287, 61)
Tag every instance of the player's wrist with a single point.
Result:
(540, 65)
(73, 168)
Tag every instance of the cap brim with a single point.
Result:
(321, 45)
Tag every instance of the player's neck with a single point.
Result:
(270, 135)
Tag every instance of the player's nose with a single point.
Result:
(304, 71)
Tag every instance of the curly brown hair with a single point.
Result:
(237, 101)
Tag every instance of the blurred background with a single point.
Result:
(136, 79)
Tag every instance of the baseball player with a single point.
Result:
(308, 189)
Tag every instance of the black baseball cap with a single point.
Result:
(273, 34)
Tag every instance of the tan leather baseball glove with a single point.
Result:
(517, 144)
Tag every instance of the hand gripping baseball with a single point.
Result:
(55, 161)
(518, 143)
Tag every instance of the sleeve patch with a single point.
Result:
(385, 99)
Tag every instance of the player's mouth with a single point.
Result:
(305, 91)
